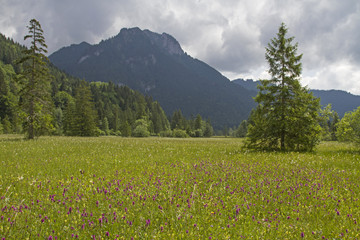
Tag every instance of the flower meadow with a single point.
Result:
(127, 188)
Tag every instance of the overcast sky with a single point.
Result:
(229, 35)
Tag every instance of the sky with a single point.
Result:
(229, 35)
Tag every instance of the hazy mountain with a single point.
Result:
(340, 101)
(156, 65)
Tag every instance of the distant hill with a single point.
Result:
(156, 65)
(340, 101)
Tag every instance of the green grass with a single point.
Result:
(156, 188)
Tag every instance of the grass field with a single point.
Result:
(155, 188)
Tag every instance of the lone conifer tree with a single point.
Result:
(286, 117)
(35, 92)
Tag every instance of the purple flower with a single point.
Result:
(302, 234)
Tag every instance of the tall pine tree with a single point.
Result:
(35, 93)
(286, 117)
(85, 116)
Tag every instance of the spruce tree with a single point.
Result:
(35, 92)
(286, 117)
(85, 116)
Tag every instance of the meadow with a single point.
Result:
(158, 188)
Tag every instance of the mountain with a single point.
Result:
(156, 65)
(340, 101)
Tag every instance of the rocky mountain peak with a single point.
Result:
(165, 41)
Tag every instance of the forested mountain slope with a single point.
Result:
(156, 65)
(116, 107)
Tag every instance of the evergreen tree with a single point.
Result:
(105, 126)
(85, 117)
(198, 122)
(209, 131)
(286, 117)
(69, 119)
(178, 121)
(242, 129)
(35, 92)
(125, 129)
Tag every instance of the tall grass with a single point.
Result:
(155, 188)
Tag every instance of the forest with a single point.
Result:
(80, 108)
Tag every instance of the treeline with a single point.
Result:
(194, 127)
(79, 108)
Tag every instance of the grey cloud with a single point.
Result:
(230, 35)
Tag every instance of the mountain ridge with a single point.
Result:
(156, 65)
(341, 101)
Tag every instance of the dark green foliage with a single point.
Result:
(121, 107)
(178, 121)
(81, 117)
(9, 99)
(241, 131)
(125, 129)
(35, 84)
(194, 127)
(286, 117)
(209, 131)
(158, 118)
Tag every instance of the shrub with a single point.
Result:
(178, 133)
(141, 131)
